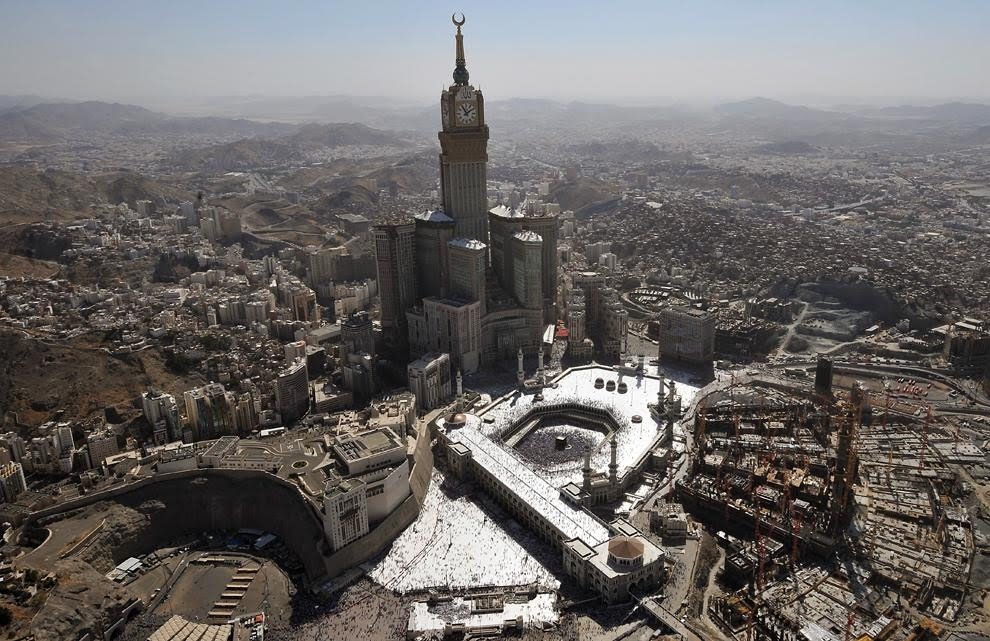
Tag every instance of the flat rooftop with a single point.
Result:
(534, 490)
(358, 446)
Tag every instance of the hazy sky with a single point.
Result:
(598, 50)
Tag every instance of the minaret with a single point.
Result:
(539, 366)
(460, 384)
(663, 384)
(613, 466)
(520, 372)
(586, 471)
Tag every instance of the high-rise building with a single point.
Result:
(526, 265)
(470, 305)
(64, 443)
(395, 244)
(100, 445)
(591, 283)
(304, 307)
(209, 411)
(292, 392)
(161, 408)
(322, 264)
(614, 325)
(448, 325)
(429, 380)
(434, 229)
(357, 335)
(688, 334)
(823, 376)
(12, 483)
(467, 265)
(504, 223)
(15, 445)
(245, 413)
(464, 152)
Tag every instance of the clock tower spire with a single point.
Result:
(464, 150)
(460, 70)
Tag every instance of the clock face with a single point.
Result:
(466, 113)
(445, 113)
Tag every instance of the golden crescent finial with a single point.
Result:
(453, 18)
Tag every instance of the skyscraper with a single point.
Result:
(209, 411)
(434, 229)
(475, 311)
(464, 152)
(395, 244)
(467, 260)
(292, 392)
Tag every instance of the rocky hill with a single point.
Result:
(583, 196)
(28, 194)
(38, 378)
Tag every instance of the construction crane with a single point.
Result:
(796, 525)
(924, 438)
(761, 549)
(849, 624)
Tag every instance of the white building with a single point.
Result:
(345, 511)
(160, 407)
(429, 380)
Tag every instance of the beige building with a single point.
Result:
(447, 325)
(467, 263)
(12, 483)
(688, 334)
(619, 569)
(429, 379)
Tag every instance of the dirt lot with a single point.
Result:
(201, 585)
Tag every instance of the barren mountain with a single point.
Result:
(583, 196)
(28, 194)
(53, 122)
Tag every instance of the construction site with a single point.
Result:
(843, 512)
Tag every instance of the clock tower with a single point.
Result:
(464, 151)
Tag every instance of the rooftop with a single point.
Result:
(544, 498)
(358, 446)
(434, 216)
(467, 243)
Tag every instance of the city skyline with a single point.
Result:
(637, 52)
(480, 364)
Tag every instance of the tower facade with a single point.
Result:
(464, 152)
(434, 229)
(395, 254)
(467, 270)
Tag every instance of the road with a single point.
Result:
(791, 329)
(170, 582)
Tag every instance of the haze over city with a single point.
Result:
(819, 53)
(573, 321)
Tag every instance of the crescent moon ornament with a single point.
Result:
(453, 18)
